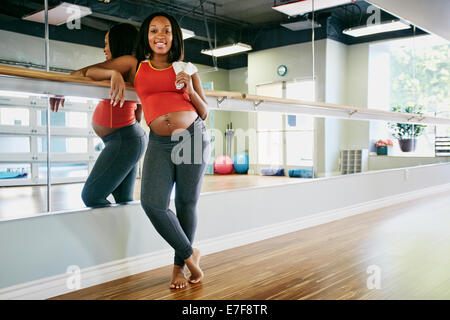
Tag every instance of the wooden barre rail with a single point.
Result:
(330, 106)
(52, 76)
(222, 95)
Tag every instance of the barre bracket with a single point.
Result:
(256, 104)
(220, 100)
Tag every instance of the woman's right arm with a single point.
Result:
(125, 65)
(115, 70)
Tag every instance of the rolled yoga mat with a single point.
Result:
(272, 172)
(12, 175)
(301, 173)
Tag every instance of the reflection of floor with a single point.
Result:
(31, 200)
(398, 252)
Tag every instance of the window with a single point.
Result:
(14, 144)
(14, 116)
(286, 140)
(64, 170)
(408, 72)
(23, 140)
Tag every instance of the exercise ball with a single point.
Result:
(223, 165)
(240, 162)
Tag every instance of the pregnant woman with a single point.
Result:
(172, 115)
(125, 141)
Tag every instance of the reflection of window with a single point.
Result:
(286, 139)
(14, 144)
(15, 171)
(14, 116)
(270, 148)
(65, 119)
(300, 90)
(24, 145)
(70, 145)
(64, 170)
(76, 119)
(299, 146)
(270, 121)
(407, 72)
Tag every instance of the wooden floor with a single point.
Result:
(31, 200)
(408, 245)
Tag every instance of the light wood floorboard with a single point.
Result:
(409, 243)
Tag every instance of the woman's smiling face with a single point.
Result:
(160, 35)
(107, 49)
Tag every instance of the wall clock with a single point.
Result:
(282, 70)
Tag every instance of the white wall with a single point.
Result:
(29, 49)
(50, 243)
(335, 92)
(238, 79)
(262, 65)
(356, 133)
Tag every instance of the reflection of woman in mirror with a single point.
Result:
(171, 113)
(125, 141)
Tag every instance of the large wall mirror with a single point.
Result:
(310, 56)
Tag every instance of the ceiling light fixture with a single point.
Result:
(296, 8)
(60, 14)
(366, 30)
(300, 25)
(228, 50)
(187, 34)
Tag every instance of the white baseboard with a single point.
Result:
(57, 285)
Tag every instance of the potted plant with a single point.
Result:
(407, 133)
(383, 147)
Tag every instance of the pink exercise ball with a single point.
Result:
(223, 165)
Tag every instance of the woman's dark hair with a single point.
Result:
(143, 50)
(122, 39)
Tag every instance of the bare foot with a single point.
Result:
(178, 278)
(193, 264)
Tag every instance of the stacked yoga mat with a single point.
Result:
(12, 175)
(293, 173)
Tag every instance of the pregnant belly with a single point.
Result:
(102, 131)
(173, 122)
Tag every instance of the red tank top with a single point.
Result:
(157, 92)
(107, 115)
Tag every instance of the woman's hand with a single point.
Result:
(117, 92)
(55, 102)
(183, 77)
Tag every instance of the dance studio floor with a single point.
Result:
(31, 200)
(399, 252)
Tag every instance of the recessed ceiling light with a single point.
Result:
(60, 14)
(296, 8)
(228, 50)
(361, 31)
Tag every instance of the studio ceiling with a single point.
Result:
(225, 21)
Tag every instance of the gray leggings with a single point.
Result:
(116, 167)
(181, 159)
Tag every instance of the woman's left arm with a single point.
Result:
(195, 92)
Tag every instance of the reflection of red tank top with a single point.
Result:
(107, 115)
(157, 92)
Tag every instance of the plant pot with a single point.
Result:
(407, 145)
(382, 151)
